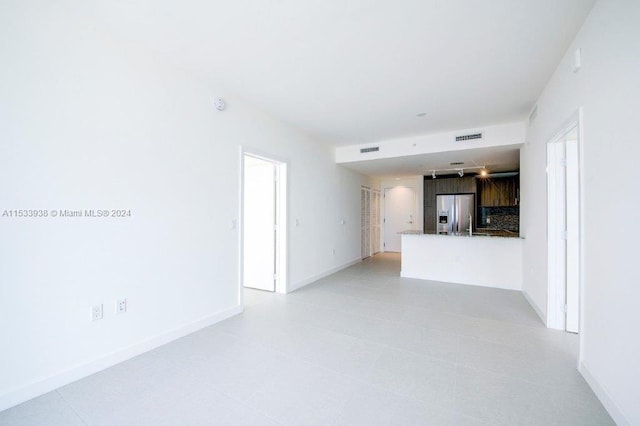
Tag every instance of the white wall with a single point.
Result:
(608, 89)
(497, 135)
(89, 122)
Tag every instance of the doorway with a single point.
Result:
(263, 242)
(399, 208)
(563, 230)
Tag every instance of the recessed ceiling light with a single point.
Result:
(421, 114)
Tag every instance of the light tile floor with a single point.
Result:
(360, 347)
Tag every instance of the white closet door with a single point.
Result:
(375, 221)
(365, 220)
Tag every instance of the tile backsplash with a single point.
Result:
(500, 217)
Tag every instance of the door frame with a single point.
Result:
(556, 297)
(282, 208)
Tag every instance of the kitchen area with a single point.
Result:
(462, 224)
(471, 231)
(487, 204)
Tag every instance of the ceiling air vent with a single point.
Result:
(372, 149)
(468, 137)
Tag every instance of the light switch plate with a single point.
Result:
(96, 312)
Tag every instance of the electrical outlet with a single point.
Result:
(488, 219)
(121, 306)
(96, 312)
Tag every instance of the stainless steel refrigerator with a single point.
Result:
(454, 215)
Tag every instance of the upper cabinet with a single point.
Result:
(443, 185)
(452, 185)
(499, 192)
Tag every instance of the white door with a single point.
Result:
(259, 224)
(399, 207)
(365, 222)
(563, 232)
(375, 221)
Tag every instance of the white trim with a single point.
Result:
(78, 372)
(240, 227)
(603, 396)
(583, 209)
(535, 307)
(321, 275)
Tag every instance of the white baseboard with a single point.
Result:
(55, 381)
(328, 272)
(535, 307)
(604, 397)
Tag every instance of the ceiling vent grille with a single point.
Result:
(371, 149)
(468, 137)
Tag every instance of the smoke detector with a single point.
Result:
(219, 104)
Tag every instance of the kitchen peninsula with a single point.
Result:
(471, 232)
(477, 260)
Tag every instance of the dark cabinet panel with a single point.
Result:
(429, 193)
(429, 205)
(498, 191)
(443, 185)
(430, 220)
(467, 185)
(455, 185)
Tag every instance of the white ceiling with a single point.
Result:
(359, 71)
(498, 159)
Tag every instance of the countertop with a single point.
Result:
(480, 232)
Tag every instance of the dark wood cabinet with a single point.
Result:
(443, 185)
(429, 193)
(489, 192)
(499, 192)
(452, 185)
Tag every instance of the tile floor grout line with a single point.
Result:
(82, 419)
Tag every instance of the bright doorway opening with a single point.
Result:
(263, 237)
